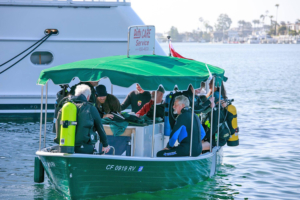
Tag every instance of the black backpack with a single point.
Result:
(61, 99)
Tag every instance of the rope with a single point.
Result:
(23, 51)
(27, 54)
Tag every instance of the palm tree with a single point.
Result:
(241, 25)
(263, 19)
(257, 22)
(206, 25)
(271, 16)
(266, 15)
(200, 20)
(277, 5)
(254, 22)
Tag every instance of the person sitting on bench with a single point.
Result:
(148, 108)
(182, 131)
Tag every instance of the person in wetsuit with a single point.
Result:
(88, 118)
(182, 131)
(106, 103)
(148, 108)
(91, 85)
(137, 99)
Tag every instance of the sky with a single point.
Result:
(185, 14)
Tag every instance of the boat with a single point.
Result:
(80, 176)
(296, 40)
(253, 40)
(82, 29)
(270, 40)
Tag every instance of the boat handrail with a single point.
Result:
(131, 158)
(114, 151)
(66, 3)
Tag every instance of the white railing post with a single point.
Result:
(154, 115)
(45, 126)
(220, 90)
(212, 114)
(41, 116)
(192, 122)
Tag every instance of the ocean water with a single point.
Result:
(264, 82)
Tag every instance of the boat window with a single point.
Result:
(41, 58)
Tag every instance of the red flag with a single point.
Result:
(174, 53)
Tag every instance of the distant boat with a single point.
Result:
(253, 40)
(296, 40)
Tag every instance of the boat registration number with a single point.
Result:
(123, 168)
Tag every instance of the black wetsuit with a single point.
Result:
(136, 100)
(182, 133)
(88, 118)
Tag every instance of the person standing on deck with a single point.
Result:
(88, 118)
(137, 99)
(182, 131)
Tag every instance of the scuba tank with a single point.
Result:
(68, 128)
(232, 124)
(167, 127)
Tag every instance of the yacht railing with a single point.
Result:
(65, 2)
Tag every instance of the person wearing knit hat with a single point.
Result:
(106, 103)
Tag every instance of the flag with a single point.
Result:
(174, 53)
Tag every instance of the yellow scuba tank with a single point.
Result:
(233, 126)
(68, 128)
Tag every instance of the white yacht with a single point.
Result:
(253, 40)
(83, 29)
(296, 40)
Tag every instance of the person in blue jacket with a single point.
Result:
(182, 131)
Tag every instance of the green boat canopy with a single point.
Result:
(150, 71)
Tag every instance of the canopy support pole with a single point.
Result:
(169, 45)
(153, 130)
(212, 114)
(192, 122)
(220, 90)
(128, 38)
(41, 117)
(111, 89)
(45, 126)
